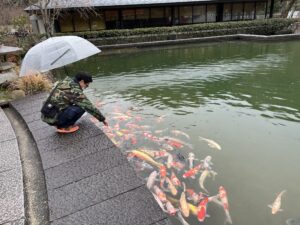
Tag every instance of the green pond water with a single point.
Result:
(242, 95)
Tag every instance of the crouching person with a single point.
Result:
(67, 103)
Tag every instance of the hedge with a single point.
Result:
(261, 27)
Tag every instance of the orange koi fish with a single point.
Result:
(202, 209)
(192, 172)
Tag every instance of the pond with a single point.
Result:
(242, 98)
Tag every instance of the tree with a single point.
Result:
(51, 9)
(286, 6)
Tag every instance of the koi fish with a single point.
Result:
(183, 203)
(171, 186)
(177, 165)
(145, 157)
(207, 162)
(192, 172)
(169, 161)
(191, 159)
(211, 143)
(181, 219)
(151, 179)
(159, 202)
(224, 200)
(170, 208)
(160, 194)
(201, 215)
(196, 198)
(176, 142)
(277, 203)
(202, 178)
(178, 132)
(175, 180)
(132, 126)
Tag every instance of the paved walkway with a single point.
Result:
(88, 179)
(11, 180)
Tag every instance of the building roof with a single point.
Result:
(114, 3)
(108, 3)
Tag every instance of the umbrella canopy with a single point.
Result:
(56, 52)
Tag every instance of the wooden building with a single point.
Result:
(119, 14)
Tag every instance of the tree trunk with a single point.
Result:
(288, 7)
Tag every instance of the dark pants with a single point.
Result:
(69, 116)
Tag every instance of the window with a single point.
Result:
(128, 14)
(157, 13)
(81, 23)
(142, 14)
(260, 10)
(237, 11)
(65, 23)
(186, 14)
(199, 14)
(249, 11)
(211, 13)
(227, 12)
(111, 15)
(97, 22)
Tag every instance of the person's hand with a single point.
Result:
(105, 123)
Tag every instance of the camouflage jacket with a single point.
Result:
(69, 93)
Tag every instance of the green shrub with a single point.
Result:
(262, 27)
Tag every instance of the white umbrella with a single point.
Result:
(56, 52)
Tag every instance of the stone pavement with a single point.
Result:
(11, 180)
(88, 179)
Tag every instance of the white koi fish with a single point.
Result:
(170, 208)
(169, 161)
(159, 202)
(211, 143)
(178, 132)
(181, 219)
(202, 178)
(207, 162)
(277, 203)
(151, 179)
(191, 159)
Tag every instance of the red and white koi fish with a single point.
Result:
(211, 143)
(201, 214)
(151, 179)
(176, 142)
(224, 200)
(155, 154)
(170, 208)
(160, 194)
(183, 203)
(162, 171)
(159, 202)
(277, 203)
(175, 180)
(192, 172)
(150, 137)
(178, 132)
